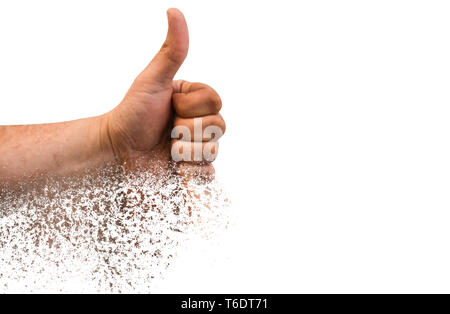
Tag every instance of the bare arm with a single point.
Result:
(28, 151)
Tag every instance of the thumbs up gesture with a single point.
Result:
(165, 118)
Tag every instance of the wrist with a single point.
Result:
(102, 141)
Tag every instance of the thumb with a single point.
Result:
(168, 60)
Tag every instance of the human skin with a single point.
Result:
(134, 133)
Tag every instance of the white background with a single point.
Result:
(336, 155)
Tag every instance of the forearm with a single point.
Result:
(57, 149)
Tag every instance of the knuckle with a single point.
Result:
(214, 100)
(220, 122)
(224, 124)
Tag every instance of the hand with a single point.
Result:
(136, 133)
(141, 125)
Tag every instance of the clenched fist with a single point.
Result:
(142, 123)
